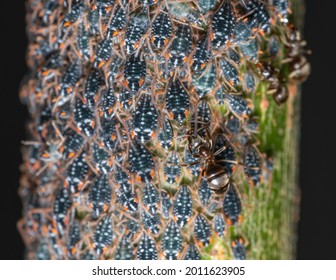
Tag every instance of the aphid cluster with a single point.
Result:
(141, 121)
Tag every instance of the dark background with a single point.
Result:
(317, 180)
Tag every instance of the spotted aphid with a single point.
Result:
(180, 46)
(202, 231)
(99, 196)
(192, 253)
(107, 103)
(201, 55)
(135, 73)
(206, 5)
(281, 9)
(103, 235)
(252, 165)
(114, 68)
(62, 204)
(145, 118)
(257, 15)
(219, 224)
(76, 173)
(219, 95)
(232, 206)
(84, 118)
(185, 12)
(128, 200)
(250, 50)
(83, 42)
(141, 162)
(165, 136)
(120, 176)
(161, 30)
(135, 30)
(104, 52)
(166, 204)
(70, 78)
(204, 192)
(190, 160)
(205, 82)
(147, 248)
(53, 241)
(93, 19)
(183, 206)
(222, 25)
(103, 6)
(72, 144)
(150, 222)
(249, 82)
(101, 158)
(150, 198)
(233, 56)
(118, 22)
(171, 241)
(177, 101)
(73, 15)
(238, 248)
(92, 86)
(238, 106)
(243, 32)
(172, 168)
(132, 229)
(124, 249)
(230, 72)
(108, 134)
(125, 98)
(74, 239)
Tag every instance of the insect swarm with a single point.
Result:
(150, 126)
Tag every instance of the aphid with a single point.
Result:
(204, 192)
(124, 249)
(120, 176)
(70, 78)
(83, 42)
(54, 242)
(118, 22)
(171, 241)
(103, 235)
(201, 55)
(252, 165)
(128, 200)
(150, 222)
(232, 206)
(205, 82)
(108, 134)
(202, 231)
(243, 32)
(183, 206)
(219, 224)
(180, 46)
(219, 95)
(222, 25)
(114, 68)
(172, 168)
(99, 196)
(230, 72)
(233, 56)
(84, 118)
(145, 118)
(101, 158)
(103, 6)
(53, 63)
(250, 50)
(73, 239)
(185, 12)
(150, 198)
(257, 15)
(177, 101)
(206, 5)
(132, 229)
(135, 30)
(125, 98)
(166, 204)
(72, 144)
(141, 162)
(135, 73)
(93, 20)
(62, 204)
(165, 136)
(161, 30)
(249, 83)
(239, 106)
(273, 46)
(281, 9)
(42, 251)
(92, 86)
(73, 15)
(192, 253)
(192, 163)
(238, 248)
(147, 248)
(76, 173)
(104, 52)
(107, 103)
